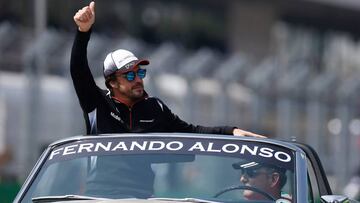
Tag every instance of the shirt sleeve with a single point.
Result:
(175, 124)
(86, 89)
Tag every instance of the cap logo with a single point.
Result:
(248, 165)
(129, 65)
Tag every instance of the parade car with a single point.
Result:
(167, 167)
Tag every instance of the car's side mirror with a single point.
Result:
(334, 199)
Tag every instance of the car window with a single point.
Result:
(61, 178)
(200, 177)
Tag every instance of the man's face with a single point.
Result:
(261, 178)
(130, 89)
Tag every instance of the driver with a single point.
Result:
(268, 178)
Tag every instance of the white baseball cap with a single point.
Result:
(121, 59)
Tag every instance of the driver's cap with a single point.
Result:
(122, 60)
(252, 165)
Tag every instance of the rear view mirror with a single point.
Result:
(334, 199)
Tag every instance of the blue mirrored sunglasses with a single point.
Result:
(130, 76)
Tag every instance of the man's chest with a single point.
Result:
(144, 117)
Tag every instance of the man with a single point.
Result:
(125, 107)
(266, 177)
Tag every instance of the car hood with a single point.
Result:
(157, 200)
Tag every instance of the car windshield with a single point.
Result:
(154, 167)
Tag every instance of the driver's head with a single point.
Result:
(124, 74)
(265, 177)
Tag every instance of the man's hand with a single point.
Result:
(85, 17)
(239, 132)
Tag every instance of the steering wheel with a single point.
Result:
(245, 187)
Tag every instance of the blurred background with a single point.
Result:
(283, 68)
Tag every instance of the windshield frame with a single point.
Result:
(300, 171)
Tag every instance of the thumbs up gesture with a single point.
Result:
(85, 17)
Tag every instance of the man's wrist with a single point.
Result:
(83, 30)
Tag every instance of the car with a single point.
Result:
(177, 167)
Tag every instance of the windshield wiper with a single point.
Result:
(64, 198)
(187, 199)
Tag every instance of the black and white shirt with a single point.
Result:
(103, 114)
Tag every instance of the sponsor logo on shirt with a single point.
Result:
(115, 116)
(147, 121)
